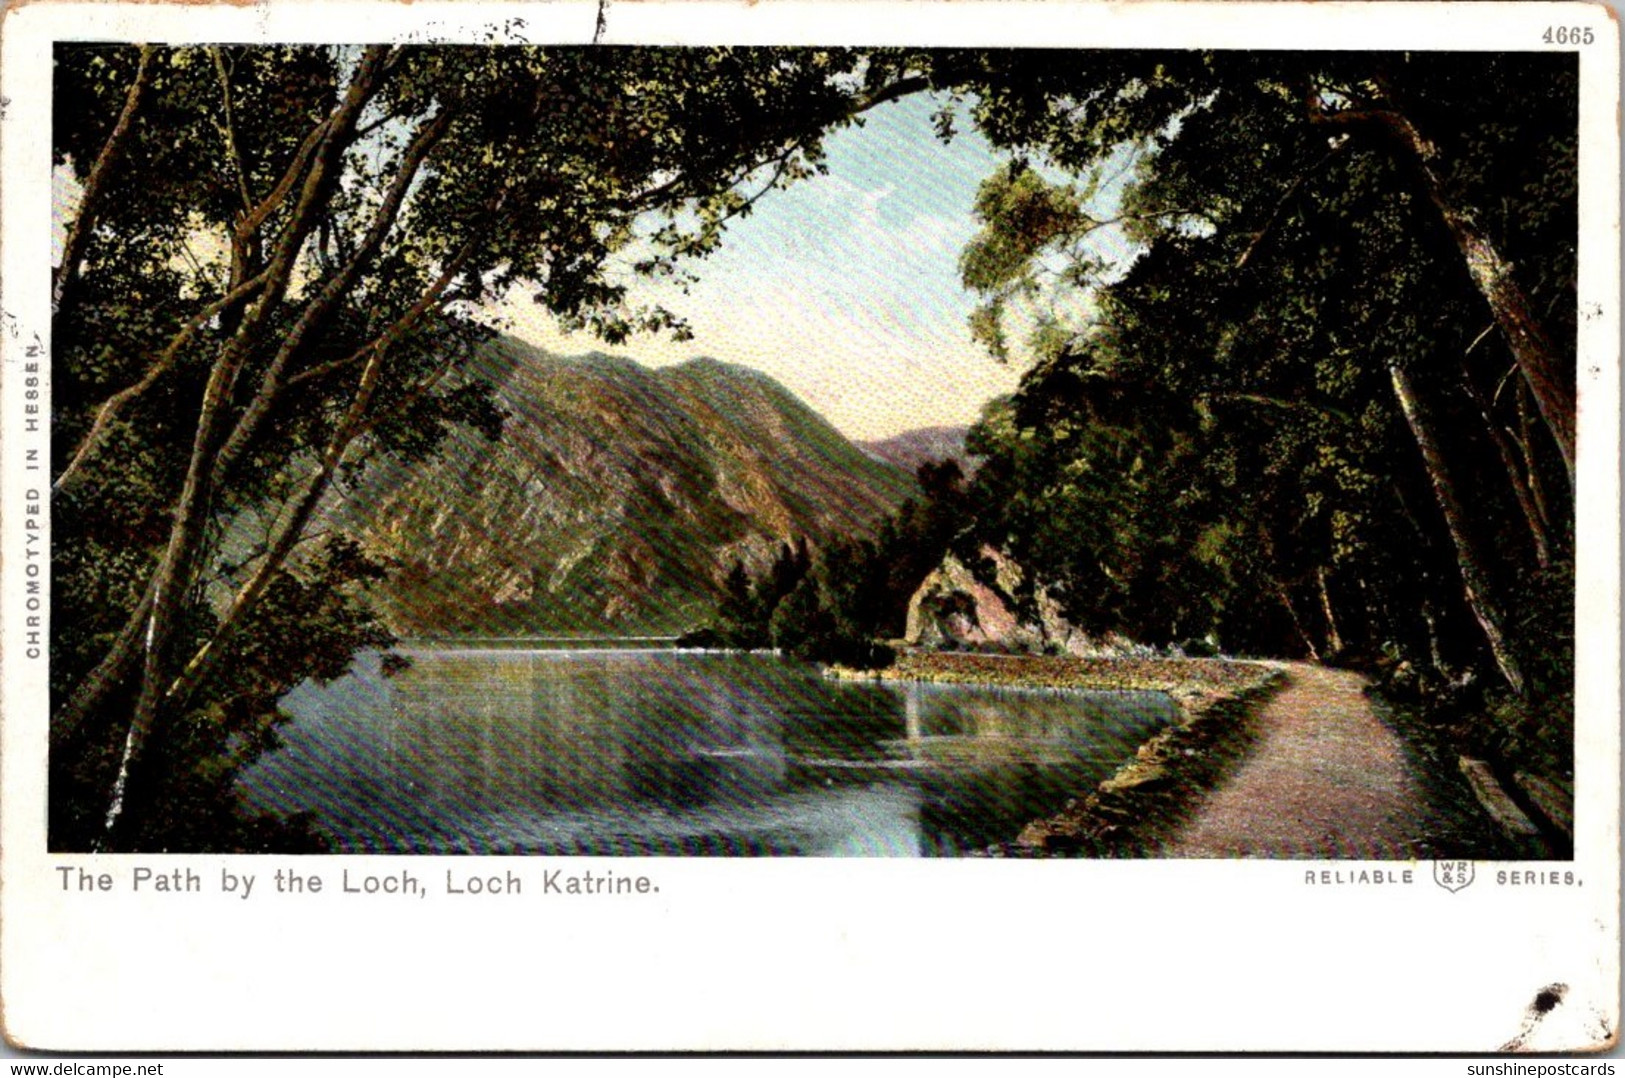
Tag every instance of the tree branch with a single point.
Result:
(409, 398)
(675, 185)
(110, 408)
(329, 295)
(400, 327)
(203, 661)
(1280, 205)
(228, 130)
(173, 575)
(256, 216)
(73, 246)
(354, 425)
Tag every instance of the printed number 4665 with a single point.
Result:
(1568, 35)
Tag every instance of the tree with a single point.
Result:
(738, 610)
(1461, 149)
(1350, 292)
(269, 281)
(270, 277)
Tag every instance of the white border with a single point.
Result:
(1119, 956)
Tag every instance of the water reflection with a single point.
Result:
(663, 752)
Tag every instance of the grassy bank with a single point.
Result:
(1131, 812)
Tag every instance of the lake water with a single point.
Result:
(637, 751)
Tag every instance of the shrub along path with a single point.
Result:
(1325, 778)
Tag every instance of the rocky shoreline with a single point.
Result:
(1131, 813)
(1180, 678)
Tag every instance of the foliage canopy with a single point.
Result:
(1328, 406)
(269, 281)
(1350, 319)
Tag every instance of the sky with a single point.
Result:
(844, 287)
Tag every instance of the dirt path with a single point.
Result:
(1325, 779)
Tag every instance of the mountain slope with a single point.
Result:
(616, 500)
(913, 448)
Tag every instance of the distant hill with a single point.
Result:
(913, 448)
(616, 500)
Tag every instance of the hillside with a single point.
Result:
(913, 448)
(616, 500)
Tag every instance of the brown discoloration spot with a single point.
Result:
(1545, 1002)
(1548, 998)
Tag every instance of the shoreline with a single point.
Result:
(1130, 813)
(1179, 678)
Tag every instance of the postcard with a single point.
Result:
(678, 526)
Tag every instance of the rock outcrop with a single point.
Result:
(956, 607)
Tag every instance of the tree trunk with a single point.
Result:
(1514, 474)
(328, 296)
(1334, 639)
(1278, 589)
(1475, 582)
(1537, 357)
(1491, 274)
(1285, 600)
(173, 577)
(74, 243)
(1378, 625)
(1531, 466)
(355, 424)
(1441, 665)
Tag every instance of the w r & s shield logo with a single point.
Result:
(1452, 875)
